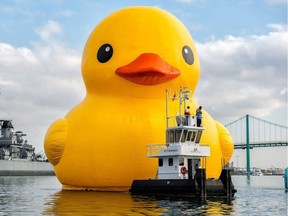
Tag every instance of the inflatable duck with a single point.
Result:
(129, 60)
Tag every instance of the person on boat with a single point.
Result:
(187, 111)
(199, 116)
(187, 114)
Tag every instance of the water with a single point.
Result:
(261, 195)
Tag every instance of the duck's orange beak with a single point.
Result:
(148, 69)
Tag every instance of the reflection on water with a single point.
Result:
(259, 195)
(191, 206)
(117, 203)
(24, 195)
(99, 203)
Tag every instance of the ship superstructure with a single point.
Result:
(12, 144)
(17, 157)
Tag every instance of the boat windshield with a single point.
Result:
(198, 137)
(184, 135)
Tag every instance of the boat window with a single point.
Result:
(170, 161)
(189, 136)
(184, 134)
(177, 135)
(171, 136)
(198, 136)
(193, 136)
(181, 161)
(160, 162)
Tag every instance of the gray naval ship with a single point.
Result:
(17, 157)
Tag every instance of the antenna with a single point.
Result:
(183, 90)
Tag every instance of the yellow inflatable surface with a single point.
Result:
(129, 60)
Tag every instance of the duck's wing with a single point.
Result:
(226, 142)
(55, 140)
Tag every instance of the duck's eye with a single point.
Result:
(188, 55)
(104, 53)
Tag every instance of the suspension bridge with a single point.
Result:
(250, 132)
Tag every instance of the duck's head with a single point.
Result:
(139, 52)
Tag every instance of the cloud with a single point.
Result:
(276, 2)
(240, 75)
(278, 27)
(65, 13)
(49, 29)
(190, 1)
(244, 75)
(40, 84)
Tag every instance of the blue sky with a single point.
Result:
(242, 46)
(204, 18)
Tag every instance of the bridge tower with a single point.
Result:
(247, 146)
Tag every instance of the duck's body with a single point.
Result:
(114, 152)
(101, 143)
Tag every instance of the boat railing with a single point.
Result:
(181, 120)
(154, 149)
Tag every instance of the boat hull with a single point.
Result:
(25, 168)
(183, 187)
(198, 187)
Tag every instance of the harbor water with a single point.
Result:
(42, 195)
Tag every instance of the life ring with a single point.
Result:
(183, 170)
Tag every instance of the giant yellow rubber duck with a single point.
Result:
(129, 60)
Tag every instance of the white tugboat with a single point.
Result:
(180, 156)
(181, 161)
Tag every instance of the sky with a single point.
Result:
(242, 46)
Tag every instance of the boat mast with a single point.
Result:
(167, 117)
(183, 90)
